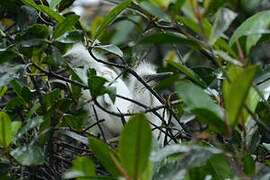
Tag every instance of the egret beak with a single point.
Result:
(157, 77)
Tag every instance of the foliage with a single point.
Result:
(217, 99)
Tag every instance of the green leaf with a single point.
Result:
(188, 72)
(214, 6)
(249, 165)
(253, 28)
(194, 158)
(31, 123)
(223, 21)
(84, 165)
(154, 10)
(45, 9)
(207, 112)
(31, 3)
(32, 43)
(76, 136)
(57, 56)
(5, 129)
(176, 7)
(5, 166)
(96, 85)
(236, 91)
(53, 14)
(65, 26)
(219, 167)
(95, 23)
(112, 49)
(35, 32)
(8, 74)
(7, 55)
(71, 37)
(252, 101)
(135, 145)
(65, 4)
(167, 38)
(78, 174)
(111, 16)
(161, 154)
(15, 126)
(194, 26)
(3, 90)
(32, 111)
(50, 98)
(28, 155)
(54, 3)
(227, 57)
(111, 91)
(266, 146)
(104, 153)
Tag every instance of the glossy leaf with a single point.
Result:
(5, 129)
(223, 21)
(35, 32)
(31, 123)
(84, 165)
(254, 27)
(57, 56)
(111, 16)
(76, 136)
(96, 22)
(227, 57)
(154, 10)
(78, 174)
(219, 167)
(236, 91)
(8, 74)
(54, 3)
(194, 158)
(169, 150)
(104, 153)
(53, 14)
(50, 98)
(167, 38)
(112, 49)
(252, 101)
(31, 3)
(96, 85)
(71, 37)
(135, 145)
(188, 72)
(65, 4)
(3, 90)
(15, 126)
(249, 165)
(213, 6)
(176, 7)
(207, 112)
(65, 26)
(28, 155)
(7, 55)
(194, 26)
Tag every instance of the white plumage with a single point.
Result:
(78, 55)
(143, 95)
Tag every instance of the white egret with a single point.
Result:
(78, 55)
(143, 95)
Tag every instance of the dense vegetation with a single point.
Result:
(217, 98)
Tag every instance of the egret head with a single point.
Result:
(148, 73)
(78, 55)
